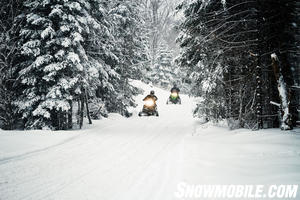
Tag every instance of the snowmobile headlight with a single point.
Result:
(149, 103)
(174, 94)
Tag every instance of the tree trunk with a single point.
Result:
(258, 98)
(81, 111)
(87, 107)
(64, 120)
(241, 97)
(59, 119)
(259, 109)
(286, 121)
(70, 115)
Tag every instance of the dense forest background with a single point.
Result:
(63, 60)
(228, 48)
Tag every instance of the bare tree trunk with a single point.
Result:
(70, 115)
(258, 70)
(286, 121)
(59, 119)
(241, 97)
(78, 111)
(87, 107)
(81, 111)
(65, 120)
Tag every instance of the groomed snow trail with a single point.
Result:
(118, 158)
(142, 158)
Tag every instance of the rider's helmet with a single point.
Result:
(175, 84)
(152, 92)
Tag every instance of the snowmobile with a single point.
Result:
(149, 108)
(174, 98)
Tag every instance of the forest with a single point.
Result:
(243, 57)
(64, 60)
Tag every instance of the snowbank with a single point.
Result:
(220, 156)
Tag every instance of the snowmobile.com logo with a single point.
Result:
(188, 191)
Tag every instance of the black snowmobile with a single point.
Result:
(150, 107)
(174, 97)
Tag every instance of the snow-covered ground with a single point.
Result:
(142, 158)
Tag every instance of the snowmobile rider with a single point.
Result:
(174, 97)
(149, 108)
(175, 89)
(151, 96)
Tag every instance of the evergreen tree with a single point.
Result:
(55, 68)
(165, 73)
(117, 46)
(129, 50)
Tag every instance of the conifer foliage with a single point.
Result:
(55, 64)
(75, 59)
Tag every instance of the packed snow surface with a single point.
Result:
(142, 158)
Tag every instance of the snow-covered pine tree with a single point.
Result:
(216, 39)
(128, 32)
(99, 48)
(165, 72)
(200, 60)
(116, 49)
(55, 69)
(130, 51)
